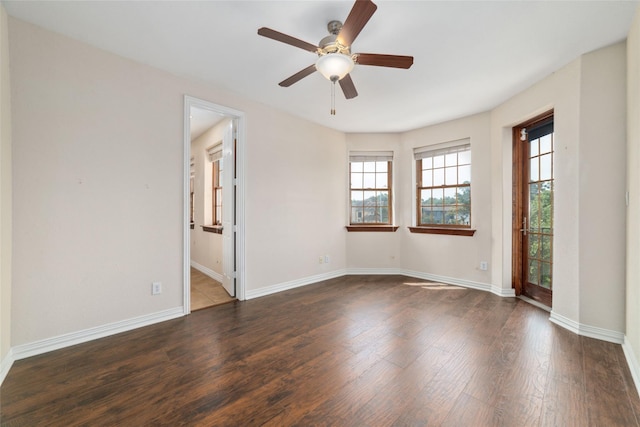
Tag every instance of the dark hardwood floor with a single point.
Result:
(353, 351)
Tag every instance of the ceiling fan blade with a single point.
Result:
(298, 76)
(348, 88)
(394, 61)
(360, 14)
(284, 38)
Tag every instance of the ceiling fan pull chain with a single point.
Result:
(333, 96)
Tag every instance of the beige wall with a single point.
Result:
(560, 91)
(633, 186)
(206, 247)
(5, 194)
(588, 99)
(601, 191)
(455, 257)
(98, 188)
(379, 250)
(297, 202)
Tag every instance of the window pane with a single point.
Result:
(381, 180)
(438, 177)
(450, 215)
(534, 267)
(464, 157)
(369, 213)
(427, 163)
(369, 180)
(356, 180)
(426, 178)
(438, 196)
(357, 198)
(545, 144)
(451, 159)
(450, 196)
(533, 170)
(369, 166)
(545, 275)
(451, 176)
(356, 167)
(427, 217)
(381, 166)
(464, 174)
(383, 198)
(437, 213)
(546, 247)
(356, 215)
(545, 167)
(425, 197)
(384, 214)
(533, 148)
(438, 161)
(534, 245)
(369, 198)
(546, 207)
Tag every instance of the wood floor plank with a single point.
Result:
(350, 351)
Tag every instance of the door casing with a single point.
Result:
(239, 241)
(520, 180)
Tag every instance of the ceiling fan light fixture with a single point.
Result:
(334, 66)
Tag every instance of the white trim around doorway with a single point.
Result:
(239, 118)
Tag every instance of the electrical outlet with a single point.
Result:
(320, 260)
(326, 259)
(484, 266)
(156, 288)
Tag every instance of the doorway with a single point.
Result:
(225, 220)
(533, 179)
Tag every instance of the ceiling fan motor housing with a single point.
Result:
(334, 27)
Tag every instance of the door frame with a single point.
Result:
(239, 250)
(517, 209)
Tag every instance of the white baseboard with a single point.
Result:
(207, 271)
(374, 271)
(43, 346)
(250, 294)
(6, 364)
(632, 361)
(587, 330)
(380, 271)
(461, 282)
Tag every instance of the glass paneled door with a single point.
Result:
(533, 209)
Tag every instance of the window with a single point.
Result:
(370, 188)
(213, 193)
(443, 175)
(217, 192)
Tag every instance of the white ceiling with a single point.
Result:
(469, 55)
(200, 120)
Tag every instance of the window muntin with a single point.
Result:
(370, 188)
(443, 177)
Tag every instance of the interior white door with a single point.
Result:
(228, 211)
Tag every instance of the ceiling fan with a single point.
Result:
(335, 60)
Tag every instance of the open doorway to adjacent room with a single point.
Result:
(211, 208)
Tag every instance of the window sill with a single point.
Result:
(388, 228)
(443, 230)
(212, 228)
